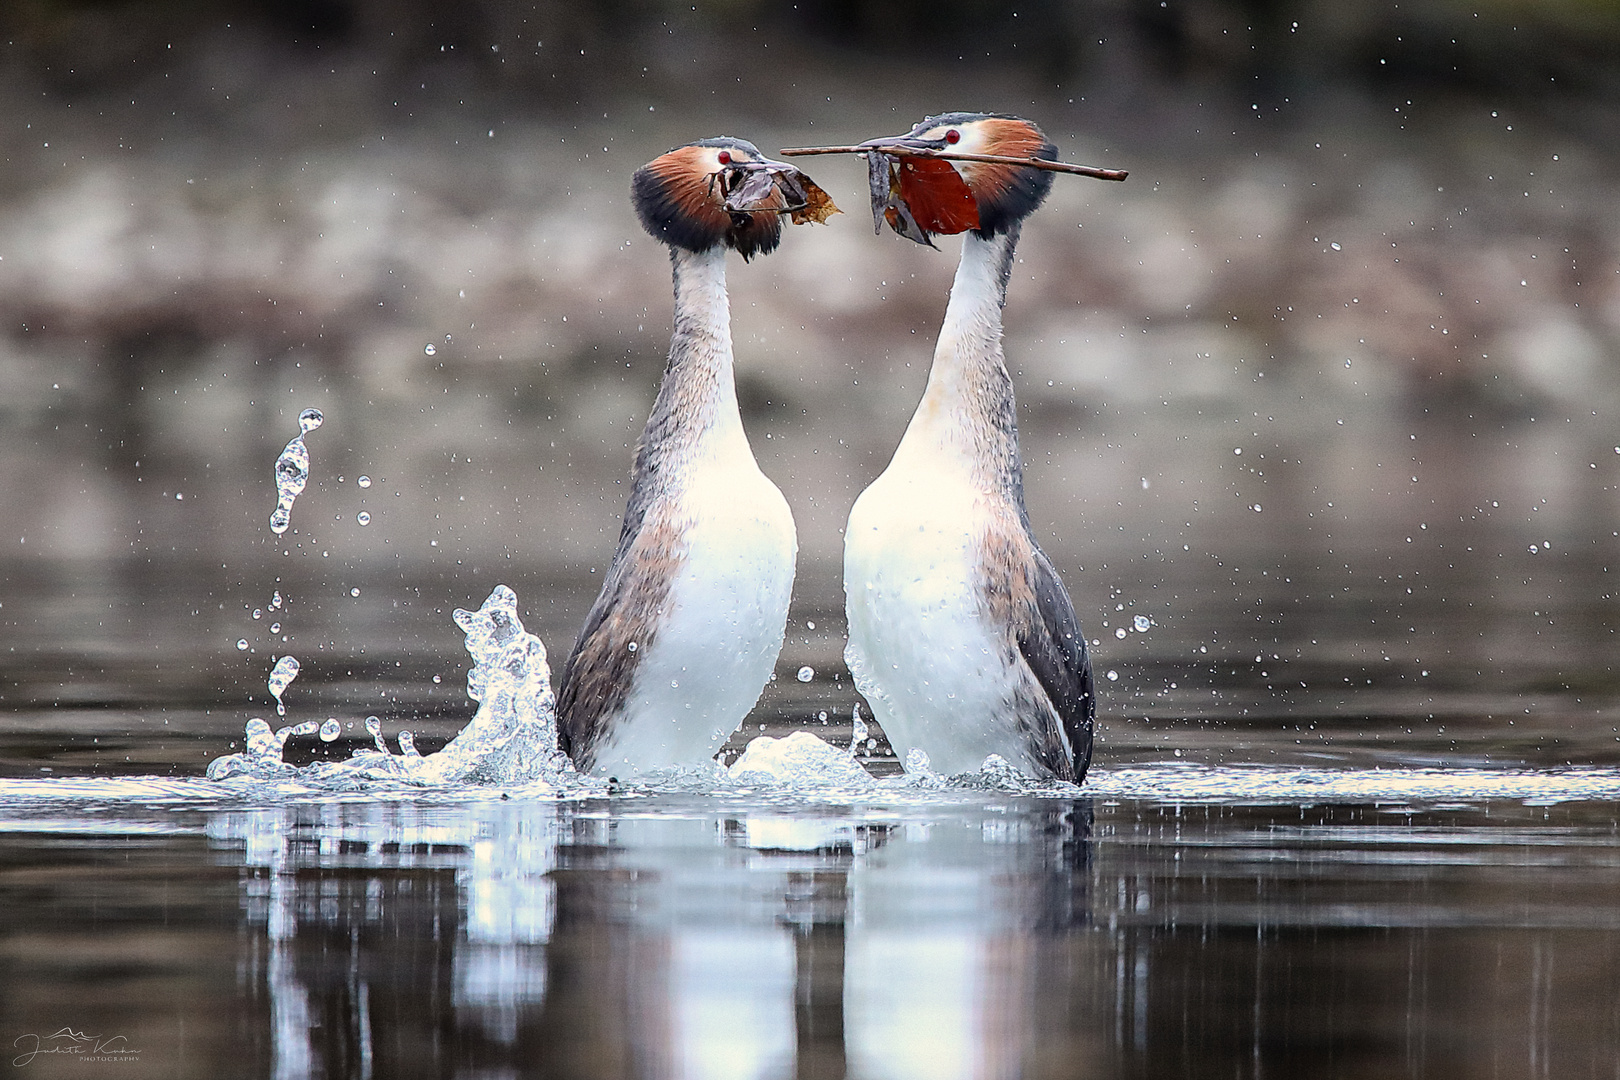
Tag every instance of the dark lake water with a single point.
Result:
(1353, 811)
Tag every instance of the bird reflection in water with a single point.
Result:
(596, 940)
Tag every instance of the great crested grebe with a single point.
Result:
(686, 630)
(961, 635)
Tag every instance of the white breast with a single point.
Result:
(919, 648)
(717, 643)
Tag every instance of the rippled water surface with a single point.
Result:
(1353, 811)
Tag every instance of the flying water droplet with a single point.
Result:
(632, 646)
(257, 614)
(806, 673)
(1113, 676)
(275, 628)
(292, 471)
(860, 729)
(1120, 633)
(1142, 624)
(242, 643)
(275, 600)
(374, 728)
(363, 481)
(354, 592)
(431, 349)
(281, 676)
(363, 518)
(331, 729)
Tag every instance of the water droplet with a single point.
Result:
(257, 614)
(354, 592)
(364, 481)
(632, 646)
(822, 716)
(1255, 508)
(806, 673)
(242, 644)
(281, 676)
(674, 684)
(1120, 633)
(1142, 623)
(374, 727)
(331, 729)
(437, 679)
(431, 349)
(1113, 676)
(810, 624)
(275, 600)
(1534, 549)
(407, 745)
(363, 518)
(292, 471)
(1335, 246)
(1238, 450)
(275, 628)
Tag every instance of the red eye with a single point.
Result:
(725, 157)
(953, 136)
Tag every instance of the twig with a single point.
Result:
(954, 155)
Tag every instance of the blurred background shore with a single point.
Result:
(1330, 380)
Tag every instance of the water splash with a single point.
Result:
(292, 471)
(511, 739)
(281, 676)
(513, 736)
(799, 758)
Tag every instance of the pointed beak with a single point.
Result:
(755, 185)
(774, 187)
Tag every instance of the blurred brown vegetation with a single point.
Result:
(215, 213)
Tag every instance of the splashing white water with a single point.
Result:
(512, 739)
(281, 677)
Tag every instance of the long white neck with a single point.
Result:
(967, 414)
(695, 415)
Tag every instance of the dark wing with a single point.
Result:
(1054, 647)
(597, 674)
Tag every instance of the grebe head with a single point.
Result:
(724, 191)
(920, 196)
